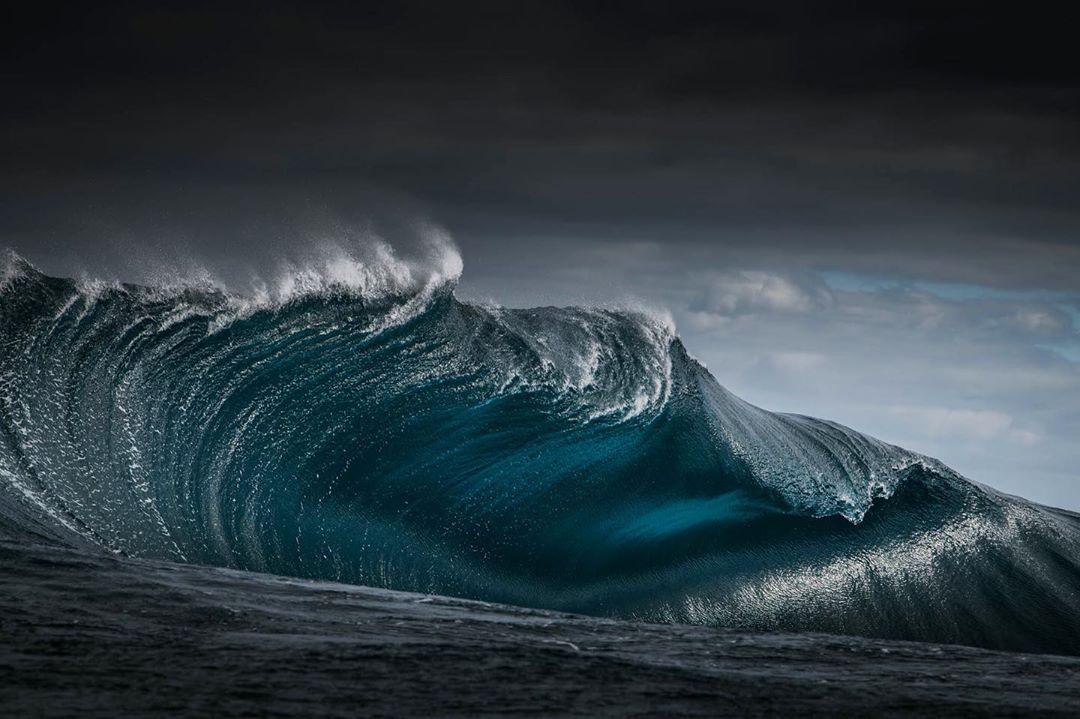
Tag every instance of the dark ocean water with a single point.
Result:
(90, 635)
(363, 426)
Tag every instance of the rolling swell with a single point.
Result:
(385, 433)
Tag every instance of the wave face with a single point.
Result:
(385, 433)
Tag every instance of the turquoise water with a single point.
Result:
(566, 458)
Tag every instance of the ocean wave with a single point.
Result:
(353, 420)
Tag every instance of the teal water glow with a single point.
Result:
(383, 432)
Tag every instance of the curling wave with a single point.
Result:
(361, 424)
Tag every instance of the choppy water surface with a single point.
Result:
(87, 635)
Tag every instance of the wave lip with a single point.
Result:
(357, 422)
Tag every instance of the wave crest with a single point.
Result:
(355, 421)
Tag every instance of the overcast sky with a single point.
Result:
(867, 215)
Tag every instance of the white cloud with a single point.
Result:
(750, 292)
(1040, 321)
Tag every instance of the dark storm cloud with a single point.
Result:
(836, 129)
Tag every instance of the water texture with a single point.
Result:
(361, 424)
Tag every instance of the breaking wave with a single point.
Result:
(355, 421)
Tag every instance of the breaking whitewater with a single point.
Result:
(165, 448)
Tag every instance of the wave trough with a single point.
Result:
(360, 423)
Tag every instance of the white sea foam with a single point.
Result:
(12, 266)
